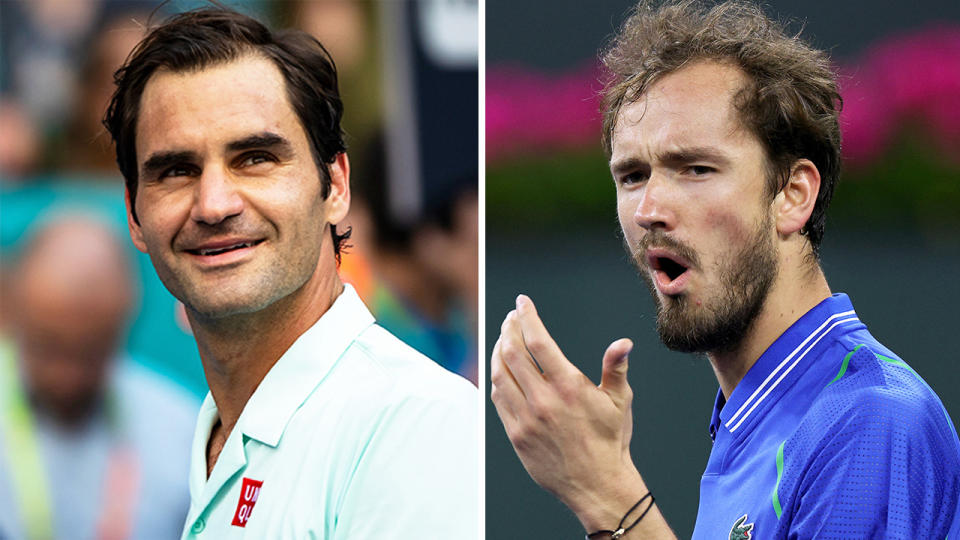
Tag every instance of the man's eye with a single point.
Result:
(178, 170)
(634, 178)
(700, 170)
(255, 158)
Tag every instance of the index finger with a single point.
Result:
(537, 339)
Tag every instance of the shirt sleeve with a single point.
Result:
(419, 475)
(888, 468)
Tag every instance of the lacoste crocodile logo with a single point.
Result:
(741, 531)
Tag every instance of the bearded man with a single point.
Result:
(724, 148)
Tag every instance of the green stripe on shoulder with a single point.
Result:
(897, 362)
(894, 361)
(846, 362)
(776, 487)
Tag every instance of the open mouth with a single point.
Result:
(672, 268)
(666, 266)
(208, 252)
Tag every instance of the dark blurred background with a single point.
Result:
(409, 81)
(892, 240)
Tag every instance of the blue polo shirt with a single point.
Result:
(830, 435)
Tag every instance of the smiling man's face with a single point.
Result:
(229, 198)
(693, 206)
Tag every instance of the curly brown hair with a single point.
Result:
(791, 104)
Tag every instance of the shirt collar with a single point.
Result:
(715, 421)
(198, 464)
(305, 364)
(773, 372)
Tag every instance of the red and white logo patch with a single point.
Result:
(249, 492)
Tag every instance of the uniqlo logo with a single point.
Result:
(249, 492)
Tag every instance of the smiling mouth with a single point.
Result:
(208, 252)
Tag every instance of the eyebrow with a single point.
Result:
(690, 155)
(160, 161)
(673, 157)
(626, 164)
(262, 140)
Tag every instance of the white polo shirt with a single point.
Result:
(351, 435)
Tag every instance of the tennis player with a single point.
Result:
(319, 423)
(724, 148)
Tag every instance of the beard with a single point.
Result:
(722, 320)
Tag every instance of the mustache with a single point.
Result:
(659, 239)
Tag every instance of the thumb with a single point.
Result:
(613, 380)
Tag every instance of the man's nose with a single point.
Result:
(653, 210)
(216, 198)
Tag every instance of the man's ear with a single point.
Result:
(338, 198)
(135, 233)
(795, 202)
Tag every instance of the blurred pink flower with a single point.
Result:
(528, 111)
(910, 78)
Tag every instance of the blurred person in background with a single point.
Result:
(422, 280)
(414, 253)
(90, 446)
(19, 142)
(84, 147)
(350, 31)
(41, 42)
(56, 59)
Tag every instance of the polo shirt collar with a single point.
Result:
(305, 364)
(773, 373)
(198, 463)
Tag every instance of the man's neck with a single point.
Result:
(238, 352)
(792, 295)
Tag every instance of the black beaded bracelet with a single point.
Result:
(615, 535)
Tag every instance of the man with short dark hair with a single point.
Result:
(724, 148)
(319, 424)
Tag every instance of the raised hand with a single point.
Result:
(572, 436)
